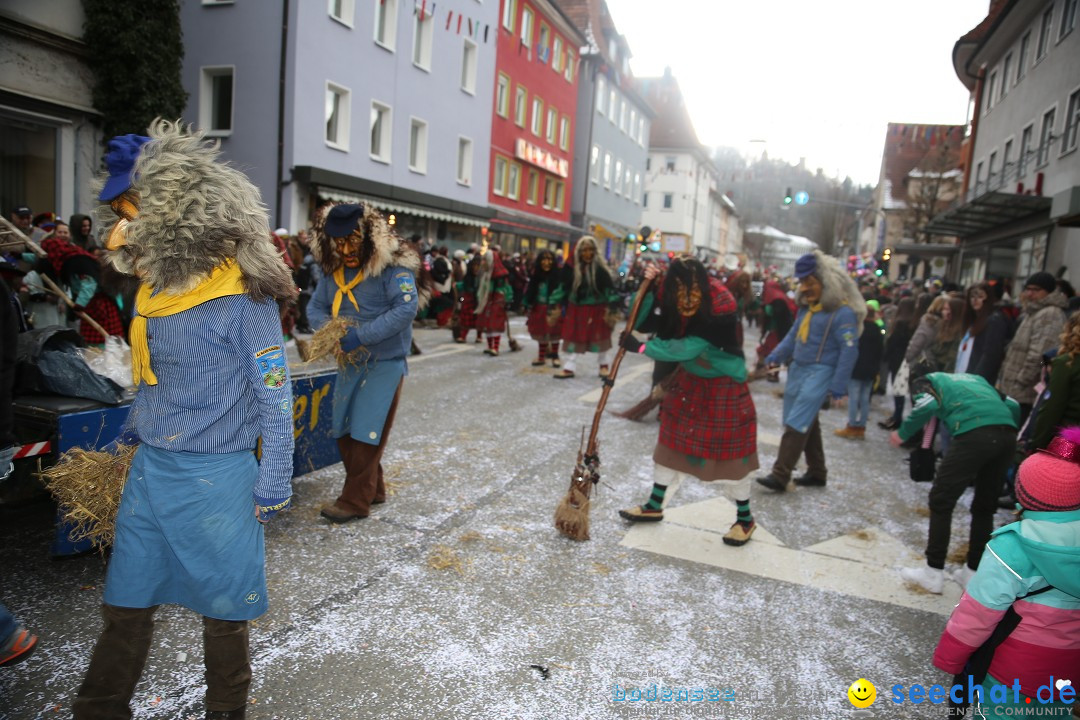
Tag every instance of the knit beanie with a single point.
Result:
(1049, 480)
(1043, 280)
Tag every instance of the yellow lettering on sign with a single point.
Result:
(299, 408)
(316, 398)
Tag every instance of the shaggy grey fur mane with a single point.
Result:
(195, 212)
(836, 288)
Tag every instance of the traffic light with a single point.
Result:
(883, 263)
(788, 197)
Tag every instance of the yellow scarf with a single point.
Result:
(225, 280)
(344, 289)
(804, 326)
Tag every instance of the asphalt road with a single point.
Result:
(458, 599)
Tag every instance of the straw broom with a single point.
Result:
(87, 485)
(326, 341)
(572, 514)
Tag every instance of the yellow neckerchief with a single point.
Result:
(804, 326)
(226, 279)
(344, 289)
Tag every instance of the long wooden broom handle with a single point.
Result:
(609, 382)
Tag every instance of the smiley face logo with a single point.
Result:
(862, 693)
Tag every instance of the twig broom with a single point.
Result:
(572, 514)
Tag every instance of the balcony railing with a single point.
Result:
(1013, 172)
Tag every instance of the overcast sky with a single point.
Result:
(812, 78)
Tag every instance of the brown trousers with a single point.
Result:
(120, 655)
(792, 445)
(363, 467)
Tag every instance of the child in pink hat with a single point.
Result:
(1029, 579)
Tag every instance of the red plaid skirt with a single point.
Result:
(107, 313)
(492, 319)
(584, 329)
(708, 418)
(467, 317)
(537, 324)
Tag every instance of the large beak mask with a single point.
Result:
(126, 207)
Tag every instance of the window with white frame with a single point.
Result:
(1046, 137)
(628, 183)
(601, 95)
(508, 12)
(1072, 122)
(1068, 18)
(537, 126)
(991, 172)
(669, 200)
(560, 191)
(564, 133)
(1045, 26)
(607, 170)
(423, 39)
(612, 107)
(502, 95)
(1006, 161)
(633, 123)
(513, 181)
(669, 163)
(498, 179)
(464, 161)
(991, 90)
(534, 184)
(380, 131)
(386, 23)
(568, 73)
(527, 27)
(1022, 58)
(521, 104)
(622, 114)
(342, 11)
(979, 189)
(618, 177)
(337, 116)
(468, 67)
(549, 193)
(542, 46)
(1006, 65)
(557, 60)
(594, 164)
(216, 87)
(552, 124)
(418, 134)
(641, 132)
(637, 187)
(1025, 149)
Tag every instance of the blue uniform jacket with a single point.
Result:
(833, 340)
(387, 308)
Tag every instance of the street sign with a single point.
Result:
(802, 197)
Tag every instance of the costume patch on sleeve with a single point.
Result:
(286, 407)
(405, 283)
(849, 338)
(272, 366)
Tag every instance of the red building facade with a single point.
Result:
(532, 130)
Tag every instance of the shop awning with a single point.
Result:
(521, 224)
(926, 249)
(986, 212)
(394, 206)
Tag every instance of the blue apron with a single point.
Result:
(186, 534)
(804, 393)
(362, 398)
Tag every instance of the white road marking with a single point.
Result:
(862, 564)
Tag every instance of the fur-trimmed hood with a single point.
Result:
(383, 249)
(837, 288)
(195, 213)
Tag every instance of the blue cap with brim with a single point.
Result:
(120, 161)
(342, 220)
(806, 265)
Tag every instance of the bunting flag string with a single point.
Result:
(426, 10)
(459, 24)
(449, 18)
